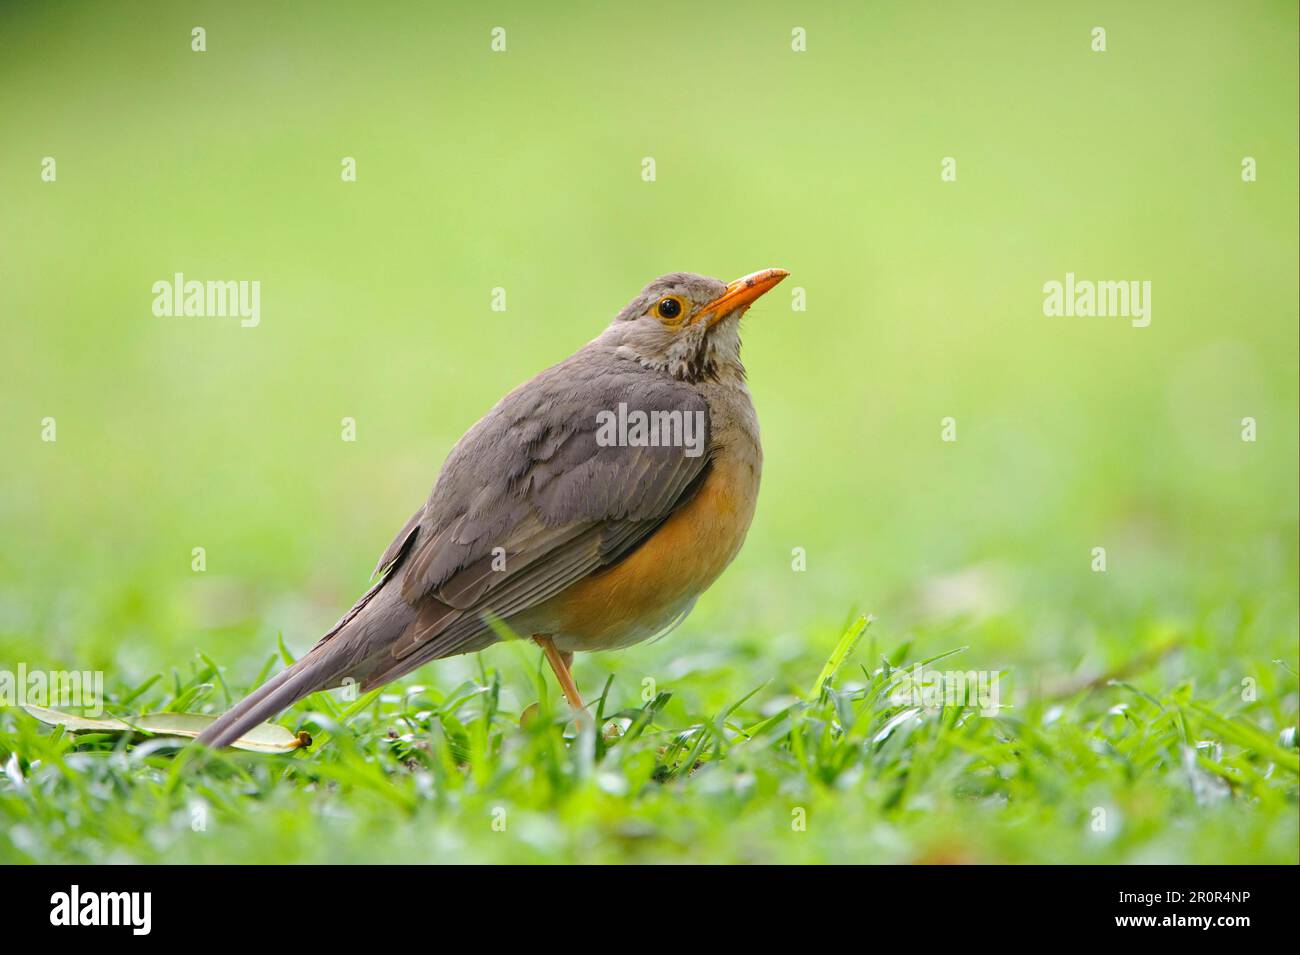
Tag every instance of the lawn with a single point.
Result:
(1101, 515)
(848, 770)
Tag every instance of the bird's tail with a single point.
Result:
(316, 671)
(350, 650)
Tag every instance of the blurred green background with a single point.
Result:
(522, 170)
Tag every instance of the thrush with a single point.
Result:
(588, 510)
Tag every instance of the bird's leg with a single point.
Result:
(560, 663)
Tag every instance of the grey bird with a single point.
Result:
(588, 510)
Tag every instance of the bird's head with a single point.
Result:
(689, 325)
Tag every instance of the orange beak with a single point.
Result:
(741, 294)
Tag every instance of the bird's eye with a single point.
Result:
(669, 307)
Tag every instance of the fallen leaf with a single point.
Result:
(267, 738)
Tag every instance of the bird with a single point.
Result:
(587, 510)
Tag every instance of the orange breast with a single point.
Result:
(643, 593)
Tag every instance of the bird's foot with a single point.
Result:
(560, 663)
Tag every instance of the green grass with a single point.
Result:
(1097, 770)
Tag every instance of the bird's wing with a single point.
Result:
(530, 501)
